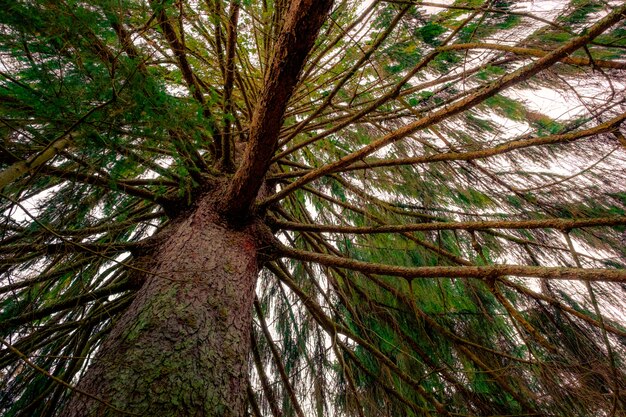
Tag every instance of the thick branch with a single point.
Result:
(302, 23)
(20, 168)
(65, 304)
(107, 183)
(479, 272)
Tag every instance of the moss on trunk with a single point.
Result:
(182, 347)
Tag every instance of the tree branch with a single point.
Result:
(490, 90)
(302, 23)
(478, 272)
(559, 224)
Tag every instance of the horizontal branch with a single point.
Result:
(65, 304)
(479, 272)
(537, 53)
(104, 182)
(67, 246)
(559, 224)
(111, 226)
(606, 127)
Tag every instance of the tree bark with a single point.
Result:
(182, 347)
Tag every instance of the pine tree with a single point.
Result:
(311, 208)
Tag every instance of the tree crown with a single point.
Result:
(444, 182)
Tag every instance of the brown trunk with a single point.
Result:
(182, 347)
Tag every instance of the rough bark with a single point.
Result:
(182, 347)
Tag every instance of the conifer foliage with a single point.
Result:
(444, 184)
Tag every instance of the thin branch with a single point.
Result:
(606, 127)
(559, 224)
(42, 371)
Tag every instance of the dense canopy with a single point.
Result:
(444, 182)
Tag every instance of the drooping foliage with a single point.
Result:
(448, 199)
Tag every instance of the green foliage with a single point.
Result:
(443, 145)
(430, 32)
(444, 61)
(489, 73)
(405, 55)
(581, 9)
(509, 108)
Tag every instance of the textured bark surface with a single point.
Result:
(182, 347)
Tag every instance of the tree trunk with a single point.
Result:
(182, 347)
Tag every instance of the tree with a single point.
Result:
(302, 208)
